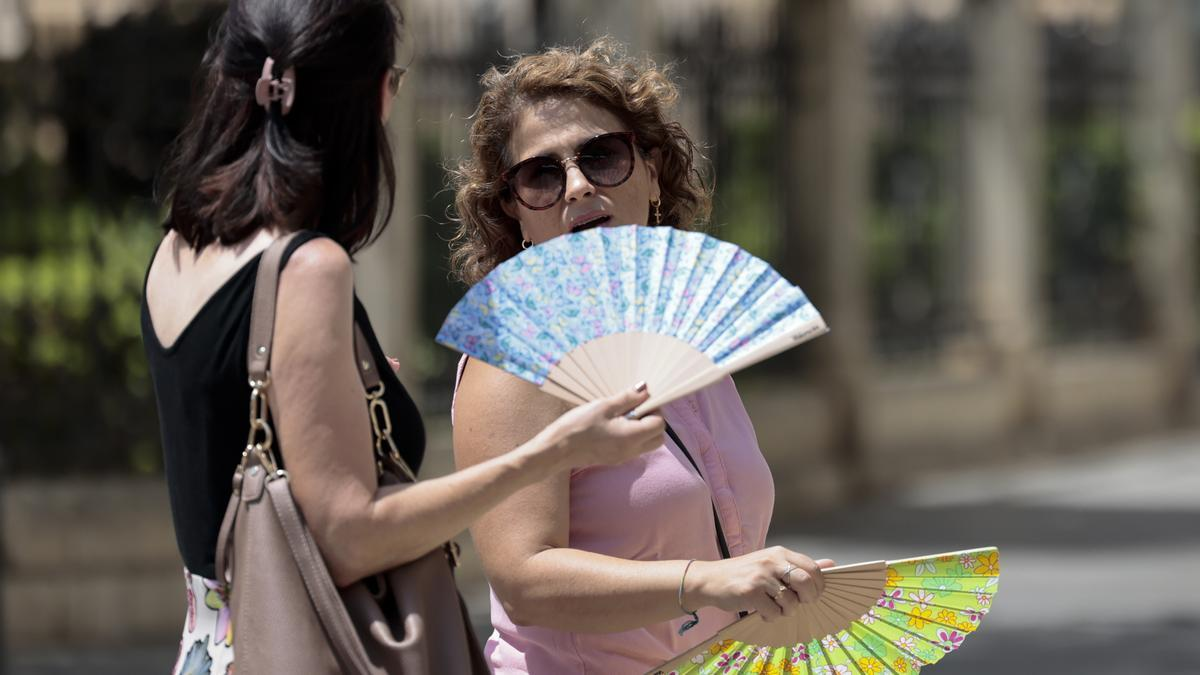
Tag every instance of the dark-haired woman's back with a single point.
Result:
(196, 326)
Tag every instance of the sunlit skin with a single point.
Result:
(556, 128)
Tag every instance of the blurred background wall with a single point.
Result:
(992, 201)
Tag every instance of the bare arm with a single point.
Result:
(324, 432)
(524, 541)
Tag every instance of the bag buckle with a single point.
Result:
(381, 425)
(261, 438)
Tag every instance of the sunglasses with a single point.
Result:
(540, 182)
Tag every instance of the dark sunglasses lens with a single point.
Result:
(538, 183)
(606, 161)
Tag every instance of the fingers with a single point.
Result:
(650, 429)
(766, 606)
(826, 563)
(786, 599)
(619, 404)
(805, 577)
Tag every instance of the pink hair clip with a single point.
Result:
(269, 89)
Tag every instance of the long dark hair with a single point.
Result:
(237, 167)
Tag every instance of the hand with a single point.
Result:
(752, 582)
(394, 363)
(599, 433)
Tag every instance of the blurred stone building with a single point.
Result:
(991, 201)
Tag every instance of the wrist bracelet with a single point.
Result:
(690, 623)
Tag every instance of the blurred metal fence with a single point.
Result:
(920, 70)
(1090, 225)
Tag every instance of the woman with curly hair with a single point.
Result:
(605, 569)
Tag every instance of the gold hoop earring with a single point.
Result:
(657, 211)
(525, 243)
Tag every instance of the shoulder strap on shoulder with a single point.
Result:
(262, 309)
(262, 320)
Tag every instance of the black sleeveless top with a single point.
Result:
(201, 387)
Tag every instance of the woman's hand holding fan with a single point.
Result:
(771, 582)
(872, 618)
(599, 432)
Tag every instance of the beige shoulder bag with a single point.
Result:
(288, 617)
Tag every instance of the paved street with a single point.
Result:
(1099, 557)
(1099, 561)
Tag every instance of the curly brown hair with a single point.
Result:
(637, 91)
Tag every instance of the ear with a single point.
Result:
(652, 174)
(385, 97)
(509, 206)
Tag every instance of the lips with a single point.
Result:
(589, 220)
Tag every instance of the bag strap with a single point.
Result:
(321, 591)
(258, 360)
(721, 543)
(262, 308)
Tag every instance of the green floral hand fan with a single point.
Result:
(874, 618)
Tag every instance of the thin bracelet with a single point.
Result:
(690, 623)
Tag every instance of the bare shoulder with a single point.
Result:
(494, 412)
(487, 388)
(316, 293)
(322, 259)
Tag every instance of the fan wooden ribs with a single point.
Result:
(670, 367)
(850, 592)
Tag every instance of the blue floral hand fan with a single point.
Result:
(588, 314)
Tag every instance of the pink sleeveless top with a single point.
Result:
(654, 507)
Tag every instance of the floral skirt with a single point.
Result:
(207, 644)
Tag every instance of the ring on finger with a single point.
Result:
(789, 570)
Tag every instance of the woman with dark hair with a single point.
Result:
(605, 569)
(286, 135)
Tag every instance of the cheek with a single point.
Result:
(632, 202)
(540, 225)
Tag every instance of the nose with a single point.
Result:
(578, 186)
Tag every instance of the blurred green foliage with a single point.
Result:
(80, 140)
(746, 202)
(76, 395)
